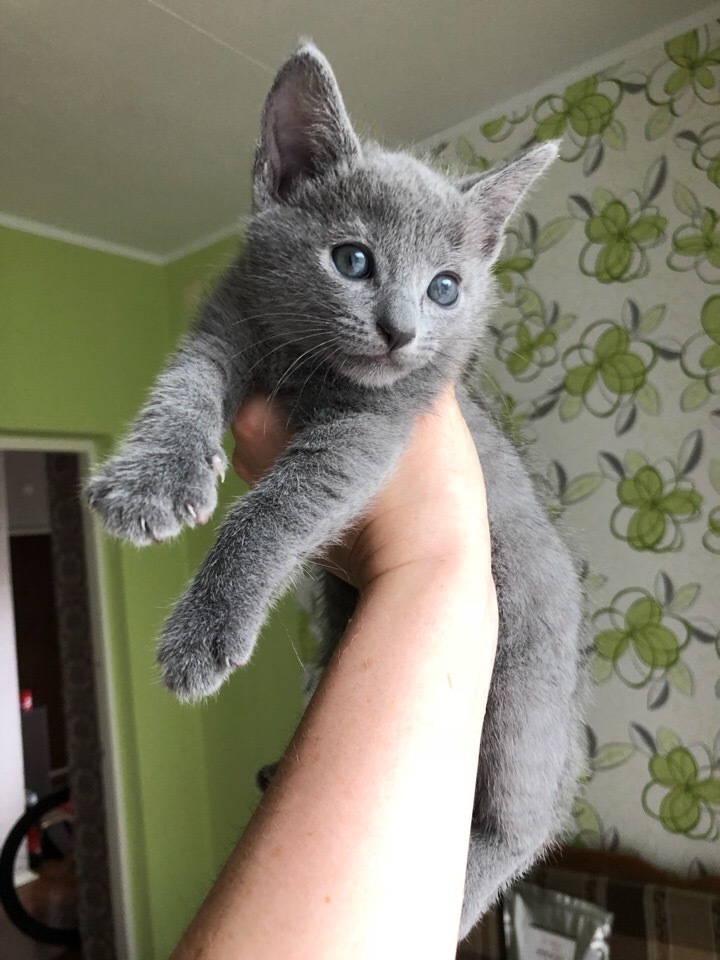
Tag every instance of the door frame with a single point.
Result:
(117, 840)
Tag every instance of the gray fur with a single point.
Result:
(284, 321)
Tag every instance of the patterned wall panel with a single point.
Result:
(84, 742)
(606, 352)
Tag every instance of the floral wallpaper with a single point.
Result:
(606, 353)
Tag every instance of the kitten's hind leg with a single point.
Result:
(333, 604)
(264, 776)
(530, 757)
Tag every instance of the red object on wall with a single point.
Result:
(26, 700)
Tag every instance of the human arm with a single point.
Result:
(358, 848)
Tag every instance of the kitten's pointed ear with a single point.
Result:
(494, 195)
(305, 127)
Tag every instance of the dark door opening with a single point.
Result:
(54, 871)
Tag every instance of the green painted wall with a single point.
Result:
(82, 335)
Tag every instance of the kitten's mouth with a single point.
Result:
(390, 359)
(376, 370)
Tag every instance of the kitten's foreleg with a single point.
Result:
(322, 483)
(164, 475)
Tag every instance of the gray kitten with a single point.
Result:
(363, 288)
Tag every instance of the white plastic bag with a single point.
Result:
(543, 924)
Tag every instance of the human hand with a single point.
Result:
(432, 509)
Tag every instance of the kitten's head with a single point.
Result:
(365, 258)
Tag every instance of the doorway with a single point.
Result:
(63, 893)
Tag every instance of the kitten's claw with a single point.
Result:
(150, 534)
(198, 517)
(218, 466)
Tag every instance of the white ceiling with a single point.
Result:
(133, 121)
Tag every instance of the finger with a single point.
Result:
(261, 435)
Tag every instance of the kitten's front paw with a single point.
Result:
(146, 496)
(203, 642)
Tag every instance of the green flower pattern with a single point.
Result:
(656, 500)
(527, 343)
(584, 113)
(469, 158)
(605, 355)
(523, 245)
(700, 358)
(641, 636)
(619, 232)
(705, 147)
(683, 793)
(711, 538)
(500, 128)
(608, 370)
(696, 246)
(689, 72)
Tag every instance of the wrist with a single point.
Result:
(460, 575)
(460, 549)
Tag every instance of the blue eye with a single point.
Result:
(444, 289)
(353, 261)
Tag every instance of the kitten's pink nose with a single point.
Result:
(394, 335)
